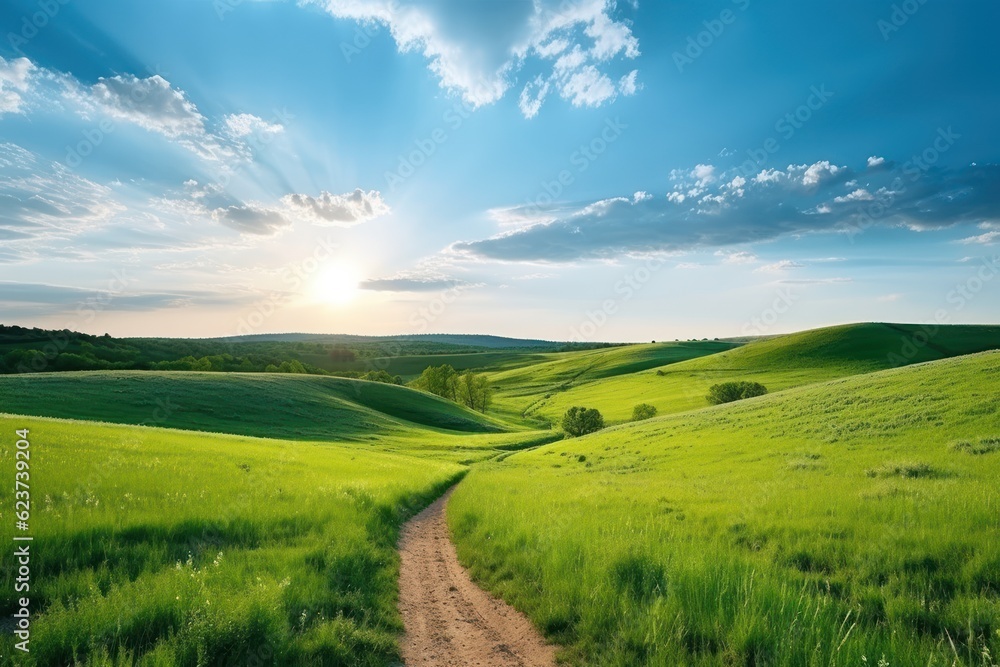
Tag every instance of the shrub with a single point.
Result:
(643, 411)
(727, 392)
(983, 446)
(581, 421)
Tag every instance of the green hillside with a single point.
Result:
(273, 405)
(519, 388)
(778, 363)
(848, 523)
(159, 547)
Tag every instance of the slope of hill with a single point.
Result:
(172, 548)
(838, 524)
(273, 405)
(778, 363)
(519, 387)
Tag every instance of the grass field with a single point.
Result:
(272, 405)
(157, 547)
(778, 363)
(846, 523)
(411, 366)
(521, 390)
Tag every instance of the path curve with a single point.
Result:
(451, 622)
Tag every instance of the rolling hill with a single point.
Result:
(273, 405)
(779, 363)
(845, 523)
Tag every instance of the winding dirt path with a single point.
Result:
(451, 622)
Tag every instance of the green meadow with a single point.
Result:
(160, 547)
(778, 363)
(839, 524)
(849, 517)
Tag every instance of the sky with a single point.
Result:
(582, 170)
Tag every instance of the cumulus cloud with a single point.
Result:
(874, 161)
(798, 200)
(154, 104)
(337, 210)
(14, 76)
(478, 54)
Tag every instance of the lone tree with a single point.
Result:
(643, 411)
(727, 392)
(581, 421)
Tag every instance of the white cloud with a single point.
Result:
(336, 210)
(874, 161)
(779, 267)
(627, 84)
(477, 54)
(641, 195)
(857, 195)
(703, 174)
(587, 87)
(14, 75)
(768, 176)
(738, 258)
(251, 219)
(532, 96)
(240, 125)
(153, 104)
(818, 172)
(676, 197)
(983, 239)
(889, 298)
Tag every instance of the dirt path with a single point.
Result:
(451, 622)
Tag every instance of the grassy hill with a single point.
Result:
(411, 366)
(519, 388)
(847, 523)
(273, 405)
(779, 363)
(171, 548)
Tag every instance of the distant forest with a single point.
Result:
(24, 350)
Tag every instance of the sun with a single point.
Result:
(337, 284)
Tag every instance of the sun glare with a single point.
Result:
(337, 284)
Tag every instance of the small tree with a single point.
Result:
(643, 411)
(580, 421)
(727, 392)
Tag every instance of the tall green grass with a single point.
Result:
(157, 547)
(846, 523)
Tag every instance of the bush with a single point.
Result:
(643, 411)
(581, 421)
(727, 392)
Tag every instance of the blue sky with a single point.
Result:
(541, 168)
